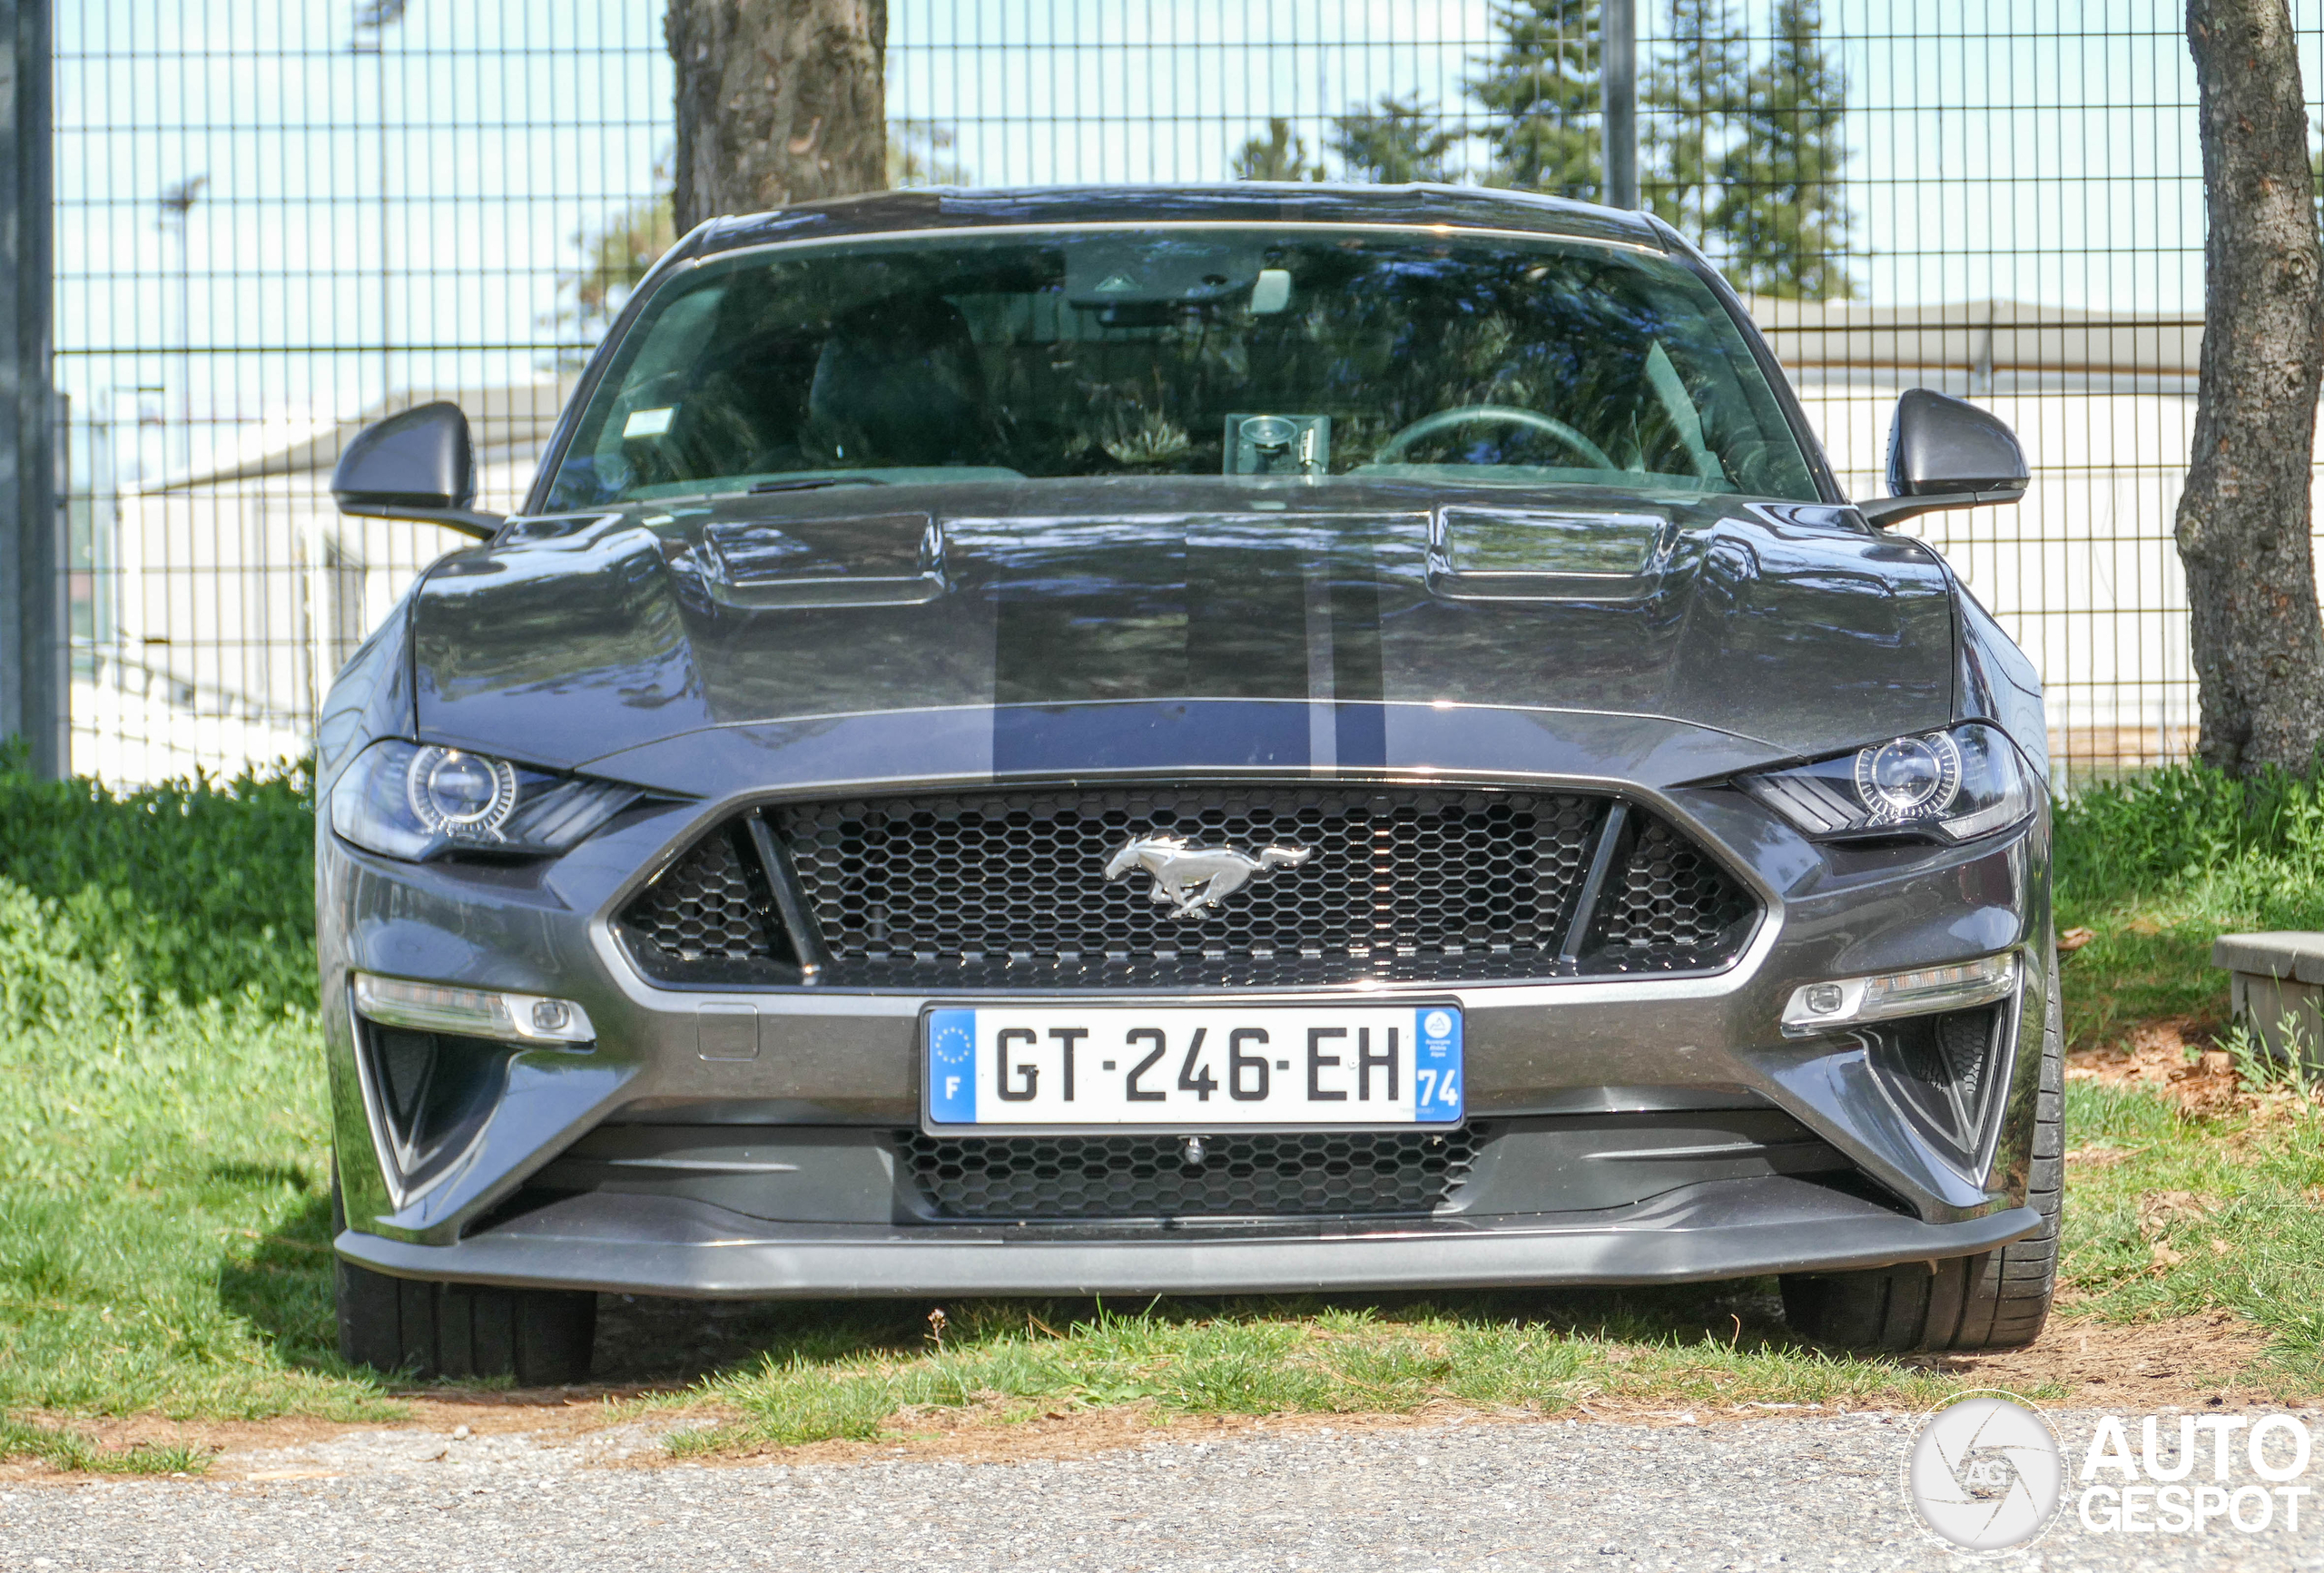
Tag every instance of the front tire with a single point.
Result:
(1998, 1299)
(460, 1331)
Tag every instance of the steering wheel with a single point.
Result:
(1393, 450)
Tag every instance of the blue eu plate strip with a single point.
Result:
(1438, 1089)
(953, 1067)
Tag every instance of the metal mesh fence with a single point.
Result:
(277, 220)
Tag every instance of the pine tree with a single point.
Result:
(1692, 94)
(1280, 155)
(1783, 219)
(1397, 143)
(1541, 92)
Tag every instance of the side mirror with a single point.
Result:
(418, 465)
(1946, 452)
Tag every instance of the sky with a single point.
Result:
(373, 218)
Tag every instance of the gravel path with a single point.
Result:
(1819, 1493)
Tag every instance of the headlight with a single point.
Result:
(1960, 783)
(412, 800)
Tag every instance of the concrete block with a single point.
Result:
(2276, 987)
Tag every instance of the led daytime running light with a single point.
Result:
(1816, 1007)
(471, 1012)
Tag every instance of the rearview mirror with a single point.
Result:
(1946, 452)
(418, 465)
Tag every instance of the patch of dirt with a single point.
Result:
(2159, 1055)
(981, 1435)
(2159, 1211)
(2169, 1056)
(2188, 1361)
(548, 1415)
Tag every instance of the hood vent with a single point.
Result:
(880, 560)
(1502, 554)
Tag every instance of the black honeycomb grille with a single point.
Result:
(1264, 1174)
(1010, 888)
(711, 905)
(1673, 908)
(1007, 889)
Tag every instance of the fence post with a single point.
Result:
(34, 671)
(1618, 86)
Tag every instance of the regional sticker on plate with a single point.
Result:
(1188, 1068)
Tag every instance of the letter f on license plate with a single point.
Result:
(1191, 1068)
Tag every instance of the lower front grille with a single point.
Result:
(1260, 1174)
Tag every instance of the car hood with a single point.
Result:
(1789, 628)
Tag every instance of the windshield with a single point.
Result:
(1330, 351)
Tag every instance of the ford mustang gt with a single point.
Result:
(1261, 738)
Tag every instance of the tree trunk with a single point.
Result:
(2242, 528)
(779, 101)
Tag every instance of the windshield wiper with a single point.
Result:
(814, 483)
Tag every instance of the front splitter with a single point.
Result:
(652, 1245)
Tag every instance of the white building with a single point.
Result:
(238, 591)
(2083, 573)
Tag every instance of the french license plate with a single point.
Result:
(1181, 1068)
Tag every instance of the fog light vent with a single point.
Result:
(1945, 1074)
(429, 1094)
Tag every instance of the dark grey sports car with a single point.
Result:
(1137, 741)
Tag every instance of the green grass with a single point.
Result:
(871, 1373)
(163, 1156)
(164, 1173)
(2249, 1238)
(2157, 866)
(62, 1448)
(2160, 865)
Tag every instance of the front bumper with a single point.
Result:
(836, 1058)
(1732, 1229)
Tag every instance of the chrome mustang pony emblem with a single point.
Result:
(1195, 878)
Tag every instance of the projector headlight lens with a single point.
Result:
(1964, 782)
(413, 801)
(1911, 778)
(467, 796)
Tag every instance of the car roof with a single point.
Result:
(1254, 202)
